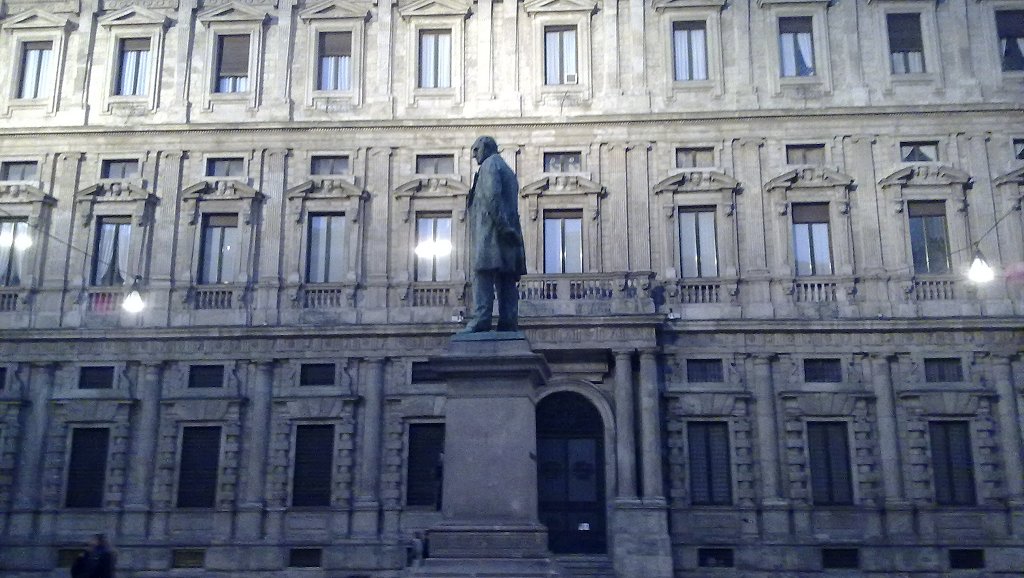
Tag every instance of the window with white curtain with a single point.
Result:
(560, 55)
(906, 47)
(698, 254)
(563, 162)
(110, 260)
(335, 58)
(695, 157)
(232, 63)
(563, 241)
(19, 170)
(811, 244)
(329, 165)
(805, 154)
(119, 168)
(919, 152)
(435, 164)
(326, 248)
(225, 167)
(133, 66)
(1010, 26)
(433, 247)
(689, 50)
(219, 250)
(14, 240)
(929, 241)
(435, 58)
(796, 46)
(35, 69)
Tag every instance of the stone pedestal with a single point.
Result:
(489, 499)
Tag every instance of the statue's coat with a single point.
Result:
(494, 220)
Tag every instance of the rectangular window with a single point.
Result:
(943, 370)
(1018, 149)
(715, 557)
(329, 165)
(698, 253)
(335, 61)
(110, 256)
(205, 376)
(563, 242)
(796, 46)
(829, 457)
(435, 164)
(197, 471)
(14, 242)
(435, 58)
(823, 371)
(314, 459)
(563, 162)
(560, 55)
(119, 169)
(99, 377)
(132, 66)
(188, 558)
(326, 253)
(840, 558)
(704, 371)
(3, 378)
(928, 241)
(811, 245)
(1010, 26)
(225, 167)
(919, 152)
(316, 374)
(695, 157)
(690, 50)
(809, 154)
(966, 558)
(219, 250)
(87, 467)
(423, 474)
(433, 247)
(710, 479)
(35, 69)
(19, 171)
(305, 557)
(906, 48)
(952, 464)
(232, 63)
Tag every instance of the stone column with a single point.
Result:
(650, 424)
(258, 387)
(144, 446)
(365, 518)
(1009, 434)
(625, 437)
(888, 435)
(767, 429)
(28, 483)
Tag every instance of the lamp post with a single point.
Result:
(133, 302)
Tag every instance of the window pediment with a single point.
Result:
(1012, 178)
(336, 10)
(36, 19)
(135, 16)
(662, 5)
(433, 8)
(534, 6)
(810, 178)
(326, 189)
(430, 187)
(115, 192)
(219, 191)
(24, 193)
(232, 12)
(926, 175)
(696, 181)
(563, 186)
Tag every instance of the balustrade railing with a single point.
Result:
(431, 295)
(331, 297)
(213, 298)
(105, 301)
(940, 289)
(9, 301)
(814, 291)
(584, 286)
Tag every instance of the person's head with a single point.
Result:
(98, 542)
(483, 148)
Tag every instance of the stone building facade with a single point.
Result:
(747, 226)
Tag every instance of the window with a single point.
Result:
(1018, 149)
(87, 467)
(232, 63)
(839, 558)
(433, 247)
(3, 377)
(205, 376)
(305, 557)
(952, 464)
(132, 66)
(14, 241)
(314, 457)
(316, 374)
(35, 69)
(329, 165)
(435, 164)
(715, 557)
(563, 162)
(110, 261)
(197, 472)
(435, 58)
(928, 243)
(698, 254)
(326, 248)
(1010, 26)
(811, 246)
(695, 158)
(823, 371)
(689, 50)
(101, 377)
(225, 167)
(704, 371)
(424, 469)
(563, 242)
(119, 169)
(919, 152)
(335, 61)
(940, 370)
(906, 48)
(560, 55)
(829, 456)
(811, 154)
(710, 480)
(796, 46)
(966, 558)
(219, 249)
(19, 171)
(188, 558)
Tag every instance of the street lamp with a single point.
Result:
(133, 302)
(980, 271)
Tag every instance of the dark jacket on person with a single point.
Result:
(97, 563)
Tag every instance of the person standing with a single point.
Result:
(97, 561)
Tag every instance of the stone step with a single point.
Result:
(586, 566)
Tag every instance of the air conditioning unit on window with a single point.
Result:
(570, 79)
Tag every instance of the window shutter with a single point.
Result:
(200, 460)
(314, 458)
(828, 453)
(424, 468)
(135, 44)
(234, 55)
(87, 468)
(710, 476)
(335, 44)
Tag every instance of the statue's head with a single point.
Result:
(483, 148)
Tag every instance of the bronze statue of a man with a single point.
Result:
(499, 258)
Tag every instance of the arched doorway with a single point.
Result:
(570, 474)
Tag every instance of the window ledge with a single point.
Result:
(785, 81)
(693, 85)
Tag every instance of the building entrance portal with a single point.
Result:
(570, 474)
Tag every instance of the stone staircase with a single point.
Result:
(586, 565)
